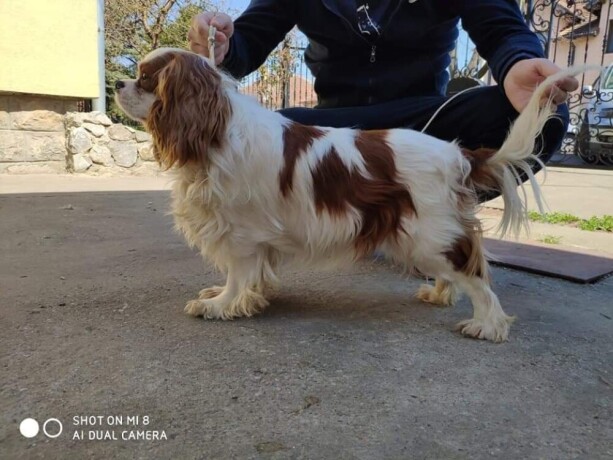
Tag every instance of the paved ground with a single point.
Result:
(341, 365)
(581, 192)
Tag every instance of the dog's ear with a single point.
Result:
(191, 112)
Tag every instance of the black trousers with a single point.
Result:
(478, 118)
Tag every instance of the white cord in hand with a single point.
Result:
(212, 31)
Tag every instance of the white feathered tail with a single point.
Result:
(517, 155)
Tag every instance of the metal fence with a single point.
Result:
(575, 32)
(277, 89)
(572, 32)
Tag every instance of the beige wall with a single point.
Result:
(49, 47)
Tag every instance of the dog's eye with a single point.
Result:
(144, 77)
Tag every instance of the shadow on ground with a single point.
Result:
(342, 365)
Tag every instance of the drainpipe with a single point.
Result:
(99, 103)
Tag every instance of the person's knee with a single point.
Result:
(482, 118)
(547, 143)
(553, 133)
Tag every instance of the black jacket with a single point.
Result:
(409, 58)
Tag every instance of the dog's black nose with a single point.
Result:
(119, 84)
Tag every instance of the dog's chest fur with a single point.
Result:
(196, 209)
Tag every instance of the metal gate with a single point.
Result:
(575, 32)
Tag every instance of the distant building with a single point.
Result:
(299, 92)
(576, 32)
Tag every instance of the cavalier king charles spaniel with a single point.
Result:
(254, 190)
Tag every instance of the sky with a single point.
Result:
(238, 5)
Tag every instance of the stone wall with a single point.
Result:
(46, 135)
(95, 144)
(32, 134)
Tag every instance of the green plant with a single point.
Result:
(553, 217)
(595, 223)
(273, 77)
(550, 239)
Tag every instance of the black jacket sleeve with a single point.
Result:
(257, 31)
(499, 32)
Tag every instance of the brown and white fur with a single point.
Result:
(254, 190)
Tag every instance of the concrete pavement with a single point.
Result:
(62, 183)
(341, 365)
(579, 191)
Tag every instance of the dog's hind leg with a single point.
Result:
(443, 293)
(462, 267)
(468, 269)
(241, 296)
(489, 321)
(209, 293)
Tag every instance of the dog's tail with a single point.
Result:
(502, 170)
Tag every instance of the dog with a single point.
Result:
(254, 190)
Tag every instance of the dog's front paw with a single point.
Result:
(496, 330)
(195, 307)
(207, 308)
(209, 293)
(430, 294)
(246, 303)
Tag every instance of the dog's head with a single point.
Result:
(181, 100)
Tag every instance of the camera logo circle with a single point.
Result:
(59, 428)
(28, 427)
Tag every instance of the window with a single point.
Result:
(607, 81)
(610, 38)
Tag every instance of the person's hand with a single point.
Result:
(524, 76)
(198, 34)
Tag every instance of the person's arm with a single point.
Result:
(243, 45)
(257, 31)
(499, 32)
(513, 52)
